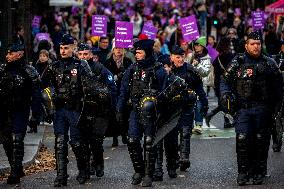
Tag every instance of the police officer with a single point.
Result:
(277, 129)
(187, 72)
(95, 120)
(141, 82)
(19, 83)
(254, 81)
(69, 76)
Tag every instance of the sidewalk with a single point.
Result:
(32, 143)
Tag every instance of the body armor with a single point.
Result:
(68, 85)
(250, 79)
(142, 84)
(15, 80)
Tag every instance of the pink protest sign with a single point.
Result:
(99, 25)
(123, 34)
(189, 28)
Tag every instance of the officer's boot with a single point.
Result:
(227, 123)
(114, 141)
(158, 174)
(98, 156)
(172, 156)
(88, 154)
(242, 158)
(185, 151)
(17, 159)
(92, 162)
(61, 152)
(277, 140)
(210, 115)
(149, 161)
(135, 152)
(124, 138)
(260, 168)
(80, 152)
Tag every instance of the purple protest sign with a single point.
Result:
(258, 20)
(99, 25)
(213, 53)
(123, 34)
(149, 22)
(150, 31)
(42, 36)
(189, 28)
(36, 22)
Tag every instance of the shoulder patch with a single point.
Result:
(110, 78)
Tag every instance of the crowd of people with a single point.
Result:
(95, 89)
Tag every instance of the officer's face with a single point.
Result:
(13, 56)
(253, 47)
(66, 51)
(178, 60)
(140, 55)
(84, 55)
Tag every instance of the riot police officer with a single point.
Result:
(254, 82)
(277, 127)
(100, 102)
(141, 82)
(179, 68)
(19, 83)
(69, 77)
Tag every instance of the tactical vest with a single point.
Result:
(251, 83)
(143, 82)
(68, 85)
(15, 88)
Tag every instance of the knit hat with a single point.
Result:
(201, 41)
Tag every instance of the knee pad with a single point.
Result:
(186, 135)
(241, 137)
(132, 140)
(18, 137)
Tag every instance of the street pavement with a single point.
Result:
(213, 165)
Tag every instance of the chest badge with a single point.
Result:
(249, 72)
(143, 75)
(74, 72)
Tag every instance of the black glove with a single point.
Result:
(119, 117)
(49, 117)
(228, 103)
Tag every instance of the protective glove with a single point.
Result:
(228, 101)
